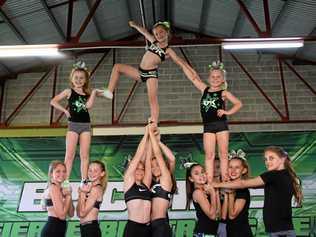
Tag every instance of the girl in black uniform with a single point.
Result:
(237, 202)
(90, 200)
(156, 52)
(204, 201)
(137, 180)
(57, 201)
(163, 185)
(280, 184)
(80, 100)
(213, 112)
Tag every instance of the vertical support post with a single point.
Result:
(51, 118)
(283, 89)
(2, 100)
(69, 20)
(114, 94)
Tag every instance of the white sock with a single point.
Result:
(108, 94)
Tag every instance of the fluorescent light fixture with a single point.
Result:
(44, 50)
(263, 44)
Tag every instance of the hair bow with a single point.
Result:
(188, 165)
(216, 65)
(237, 154)
(80, 65)
(164, 23)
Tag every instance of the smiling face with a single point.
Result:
(198, 175)
(155, 170)
(140, 172)
(58, 174)
(78, 79)
(95, 172)
(273, 161)
(236, 169)
(160, 33)
(216, 78)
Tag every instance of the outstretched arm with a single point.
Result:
(238, 184)
(190, 73)
(143, 31)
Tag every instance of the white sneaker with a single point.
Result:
(84, 182)
(65, 184)
(108, 94)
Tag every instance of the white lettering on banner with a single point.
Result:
(113, 199)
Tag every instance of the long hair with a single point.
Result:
(189, 185)
(280, 152)
(86, 87)
(104, 179)
(52, 166)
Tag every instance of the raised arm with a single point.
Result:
(170, 156)
(189, 72)
(165, 173)
(55, 101)
(143, 31)
(129, 177)
(148, 174)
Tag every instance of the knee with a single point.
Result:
(210, 156)
(223, 154)
(69, 156)
(153, 99)
(117, 67)
(84, 157)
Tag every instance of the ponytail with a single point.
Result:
(296, 183)
(189, 185)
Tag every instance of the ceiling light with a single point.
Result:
(48, 50)
(263, 44)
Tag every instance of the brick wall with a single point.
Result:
(178, 98)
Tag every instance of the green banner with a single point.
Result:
(24, 164)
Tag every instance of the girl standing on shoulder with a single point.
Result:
(156, 52)
(213, 112)
(204, 201)
(57, 201)
(280, 184)
(80, 100)
(90, 199)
